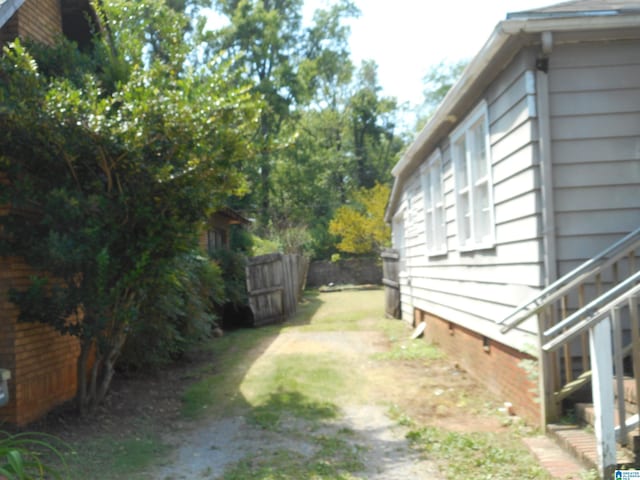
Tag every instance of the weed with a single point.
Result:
(403, 347)
(476, 455)
(335, 459)
(116, 457)
(27, 456)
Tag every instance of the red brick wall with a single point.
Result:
(42, 362)
(498, 367)
(39, 20)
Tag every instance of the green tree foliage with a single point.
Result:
(348, 141)
(113, 161)
(175, 310)
(371, 120)
(437, 83)
(360, 225)
(266, 41)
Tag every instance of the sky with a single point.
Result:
(407, 37)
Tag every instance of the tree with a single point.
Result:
(361, 224)
(288, 64)
(112, 163)
(437, 83)
(372, 123)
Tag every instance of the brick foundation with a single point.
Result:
(494, 364)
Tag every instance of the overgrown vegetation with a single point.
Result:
(476, 454)
(114, 159)
(30, 456)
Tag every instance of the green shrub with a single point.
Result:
(232, 265)
(177, 311)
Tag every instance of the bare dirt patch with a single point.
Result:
(433, 392)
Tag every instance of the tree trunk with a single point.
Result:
(81, 372)
(93, 388)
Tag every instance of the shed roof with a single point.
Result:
(572, 21)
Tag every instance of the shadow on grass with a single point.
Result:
(286, 403)
(234, 384)
(218, 389)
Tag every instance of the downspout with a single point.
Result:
(546, 161)
(548, 405)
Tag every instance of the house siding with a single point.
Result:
(476, 289)
(39, 20)
(595, 127)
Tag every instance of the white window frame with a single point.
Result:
(473, 181)
(398, 237)
(431, 175)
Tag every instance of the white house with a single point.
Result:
(529, 167)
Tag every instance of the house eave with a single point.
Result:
(508, 38)
(7, 9)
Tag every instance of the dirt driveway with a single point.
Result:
(208, 450)
(379, 372)
(330, 395)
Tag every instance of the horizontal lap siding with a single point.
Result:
(477, 289)
(40, 20)
(42, 362)
(595, 128)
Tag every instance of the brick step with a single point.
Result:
(630, 394)
(585, 414)
(581, 443)
(559, 463)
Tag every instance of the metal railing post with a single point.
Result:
(602, 388)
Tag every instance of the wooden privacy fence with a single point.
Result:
(275, 283)
(390, 280)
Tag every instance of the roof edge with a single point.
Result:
(7, 9)
(499, 39)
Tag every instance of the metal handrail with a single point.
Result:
(594, 318)
(561, 286)
(593, 306)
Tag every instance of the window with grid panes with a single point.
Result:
(473, 187)
(433, 194)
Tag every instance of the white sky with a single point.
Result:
(407, 37)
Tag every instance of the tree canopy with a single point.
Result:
(113, 161)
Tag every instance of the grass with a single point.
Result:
(481, 455)
(336, 458)
(116, 458)
(298, 395)
(402, 346)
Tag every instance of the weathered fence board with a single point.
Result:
(275, 283)
(390, 280)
